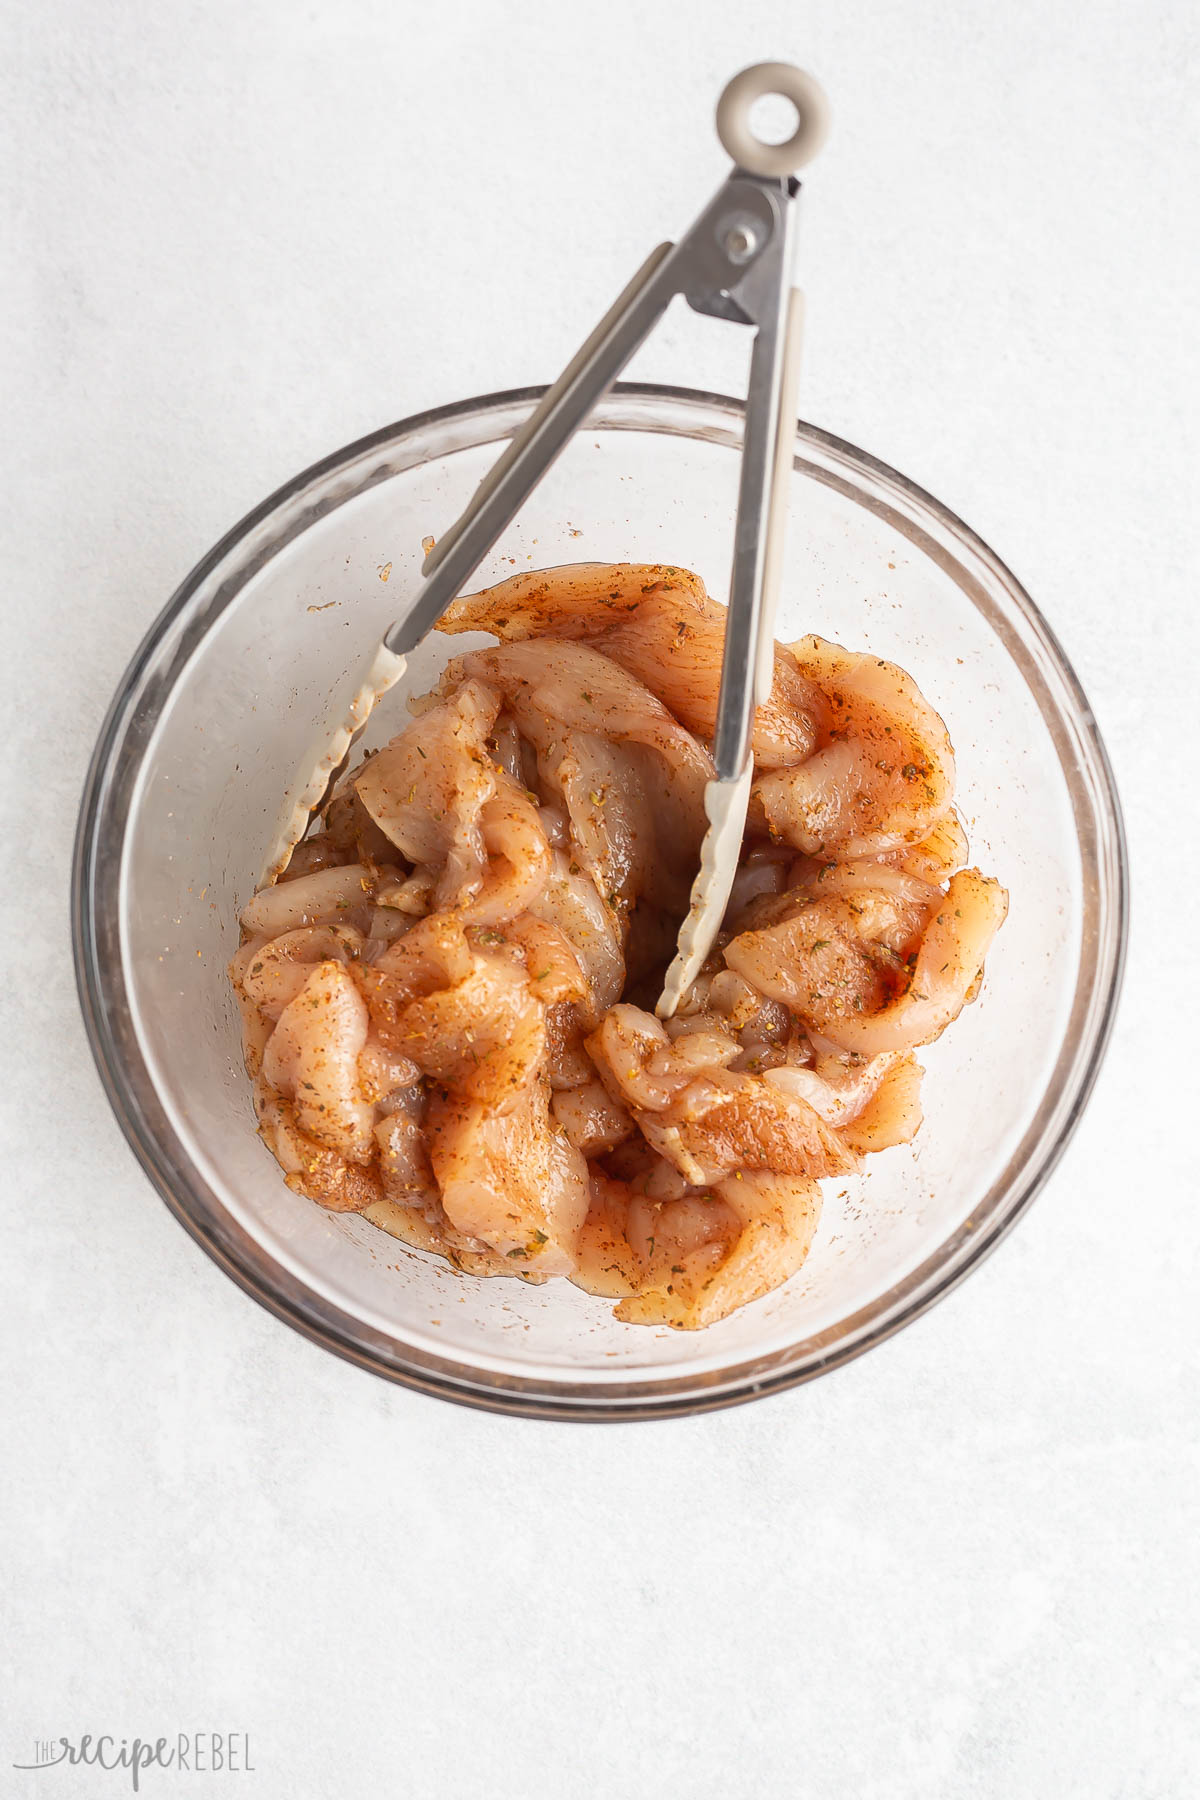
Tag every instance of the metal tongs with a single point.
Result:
(736, 264)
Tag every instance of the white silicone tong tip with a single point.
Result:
(324, 762)
(725, 802)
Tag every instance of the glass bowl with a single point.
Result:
(220, 703)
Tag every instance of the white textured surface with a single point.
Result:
(962, 1567)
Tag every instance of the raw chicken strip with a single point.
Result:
(434, 953)
(510, 1179)
(778, 1217)
(690, 1262)
(312, 1060)
(839, 1091)
(273, 972)
(632, 778)
(704, 1118)
(518, 855)
(605, 1262)
(949, 968)
(485, 1034)
(730, 1122)
(427, 1228)
(427, 790)
(827, 963)
(311, 1168)
(825, 959)
(570, 902)
(661, 625)
(885, 777)
(404, 1166)
(328, 897)
(591, 1118)
(939, 854)
(893, 1113)
(640, 1065)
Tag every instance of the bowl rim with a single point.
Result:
(96, 870)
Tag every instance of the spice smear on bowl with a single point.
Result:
(447, 996)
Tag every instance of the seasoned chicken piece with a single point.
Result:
(501, 860)
(690, 1261)
(905, 900)
(433, 954)
(879, 904)
(387, 924)
(660, 625)
(633, 1243)
(404, 1167)
(947, 974)
(739, 1006)
(411, 896)
(426, 1227)
(702, 1116)
(309, 1167)
(763, 871)
(591, 1118)
(315, 853)
(605, 1263)
(515, 844)
(885, 774)
(485, 1036)
(549, 685)
(385, 1076)
(348, 829)
(555, 968)
(506, 749)
(612, 795)
(644, 1171)
(256, 1033)
(341, 896)
(893, 1113)
(510, 1178)
(631, 777)
(766, 1031)
(427, 790)
(574, 600)
(697, 1231)
(726, 1121)
(826, 960)
(939, 854)
(570, 902)
(775, 1217)
(641, 1066)
(273, 973)
(831, 962)
(839, 1089)
(312, 1060)
(567, 1062)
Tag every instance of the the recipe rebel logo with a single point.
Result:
(197, 1753)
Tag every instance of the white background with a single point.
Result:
(963, 1567)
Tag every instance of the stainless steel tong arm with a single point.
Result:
(733, 264)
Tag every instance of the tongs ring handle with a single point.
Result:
(736, 133)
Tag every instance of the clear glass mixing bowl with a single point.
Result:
(219, 705)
